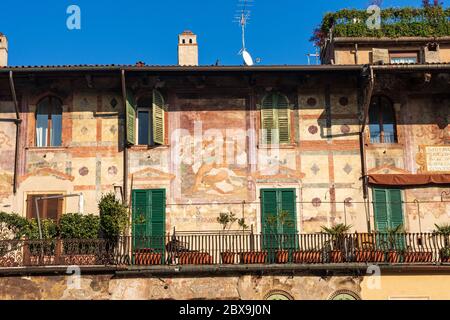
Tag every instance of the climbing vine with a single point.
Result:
(429, 21)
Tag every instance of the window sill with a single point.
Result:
(277, 146)
(47, 149)
(385, 145)
(146, 148)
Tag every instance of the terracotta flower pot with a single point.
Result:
(147, 257)
(80, 260)
(418, 257)
(336, 256)
(367, 255)
(393, 257)
(307, 257)
(254, 257)
(197, 258)
(282, 256)
(228, 257)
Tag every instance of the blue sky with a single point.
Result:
(124, 32)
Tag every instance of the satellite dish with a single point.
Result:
(248, 60)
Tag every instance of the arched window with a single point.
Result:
(382, 123)
(275, 119)
(49, 122)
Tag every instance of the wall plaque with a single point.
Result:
(434, 159)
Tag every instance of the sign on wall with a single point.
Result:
(434, 159)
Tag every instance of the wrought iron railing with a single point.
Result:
(231, 249)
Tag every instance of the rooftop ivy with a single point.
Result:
(430, 21)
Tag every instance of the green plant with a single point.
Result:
(276, 222)
(337, 230)
(16, 225)
(430, 21)
(113, 216)
(78, 226)
(337, 233)
(394, 239)
(226, 219)
(444, 231)
(242, 224)
(49, 229)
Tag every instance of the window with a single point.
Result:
(275, 119)
(48, 208)
(388, 209)
(149, 219)
(49, 123)
(404, 57)
(146, 119)
(382, 123)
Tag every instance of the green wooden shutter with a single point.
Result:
(283, 119)
(141, 218)
(158, 219)
(269, 207)
(268, 119)
(395, 208)
(158, 118)
(380, 210)
(287, 202)
(131, 118)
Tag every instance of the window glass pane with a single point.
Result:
(48, 208)
(388, 122)
(42, 113)
(143, 127)
(374, 123)
(403, 60)
(56, 131)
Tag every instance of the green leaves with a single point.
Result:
(396, 22)
(443, 229)
(113, 216)
(77, 226)
(226, 219)
(337, 230)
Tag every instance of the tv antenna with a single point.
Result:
(243, 17)
(313, 55)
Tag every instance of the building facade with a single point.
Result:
(362, 140)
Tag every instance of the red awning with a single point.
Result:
(409, 179)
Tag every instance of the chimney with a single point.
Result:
(187, 49)
(3, 50)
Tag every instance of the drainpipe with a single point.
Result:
(18, 122)
(125, 142)
(356, 54)
(362, 143)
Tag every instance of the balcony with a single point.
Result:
(230, 250)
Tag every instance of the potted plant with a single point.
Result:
(276, 237)
(442, 232)
(366, 249)
(227, 219)
(395, 244)
(336, 245)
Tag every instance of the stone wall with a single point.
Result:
(108, 287)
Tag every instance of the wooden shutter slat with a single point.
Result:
(131, 118)
(395, 208)
(380, 210)
(158, 118)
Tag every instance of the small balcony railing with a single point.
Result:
(230, 249)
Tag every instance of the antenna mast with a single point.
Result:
(242, 17)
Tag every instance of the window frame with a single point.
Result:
(404, 54)
(149, 110)
(50, 120)
(380, 123)
(275, 121)
(32, 196)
